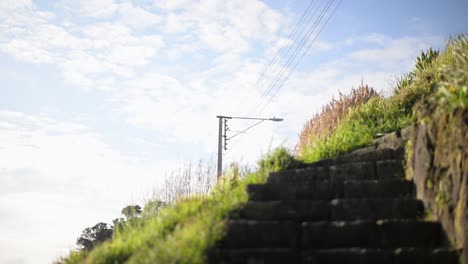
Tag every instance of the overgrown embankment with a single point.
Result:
(183, 231)
(437, 152)
(432, 101)
(433, 98)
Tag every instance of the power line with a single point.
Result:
(243, 131)
(302, 56)
(278, 81)
(272, 65)
(292, 57)
(293, 36)
(285, 43)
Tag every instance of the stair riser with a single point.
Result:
(370, 170)
(320, 235)
(327, 190)
(248, 257)
(371, 235)
(361, 155)
(333, 211)
(246, 234)
(369, 256)
(342, 256)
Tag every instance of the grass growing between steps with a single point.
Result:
(184, 231)
(362, 122)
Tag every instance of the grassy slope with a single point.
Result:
(182, 232)
(431, 77)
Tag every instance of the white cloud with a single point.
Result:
(114, 47)
(172, 4)
(218, 24)
(177, 23)
(26, 52)
(56, 179)
(137, 17)
(393, 54)
(223, 38)
(91, 8)
(81, 51)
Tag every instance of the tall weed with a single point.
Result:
(325, 123)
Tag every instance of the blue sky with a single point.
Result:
(102, 98)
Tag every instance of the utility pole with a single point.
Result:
(220, 147)
(222, 133)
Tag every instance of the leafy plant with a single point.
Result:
(279, 159)
(426, 59)
(325, 123)
(452, 90)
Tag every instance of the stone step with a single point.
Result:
(254, 256)
(338, 234)
(360, 155)
(365, 170)
(338, 209)
(327, 190)
(382, 256)
(336, 256)
(368, 154)
(371, 234)
(260, 234)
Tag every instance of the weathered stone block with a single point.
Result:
(348, 256)
(387, 169)
(355, 170)
(391, 188)
(339, 234)
(260, 234)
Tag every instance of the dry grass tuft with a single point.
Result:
(324, 123)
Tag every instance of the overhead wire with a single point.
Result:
(292, 57)
(285, 43)
(278, 82)
(300, 59)
(272, 65)
(293, 36)
(243, 131)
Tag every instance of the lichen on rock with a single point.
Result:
(437, 161)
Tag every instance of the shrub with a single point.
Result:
(452, 90)
(325, 123)
(279, 159)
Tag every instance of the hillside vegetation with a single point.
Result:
(183, 231)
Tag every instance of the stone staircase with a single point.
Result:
(354, 209)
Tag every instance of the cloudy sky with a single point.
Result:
(102, 98)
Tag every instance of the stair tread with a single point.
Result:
(322, 190)
(336, 209)
(356, 255)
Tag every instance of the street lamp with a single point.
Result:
(223, 121)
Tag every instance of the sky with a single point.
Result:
(102, 99)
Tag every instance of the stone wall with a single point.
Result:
(437, 162)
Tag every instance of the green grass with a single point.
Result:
(439, 76)
(184, 231)
(356, 130)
